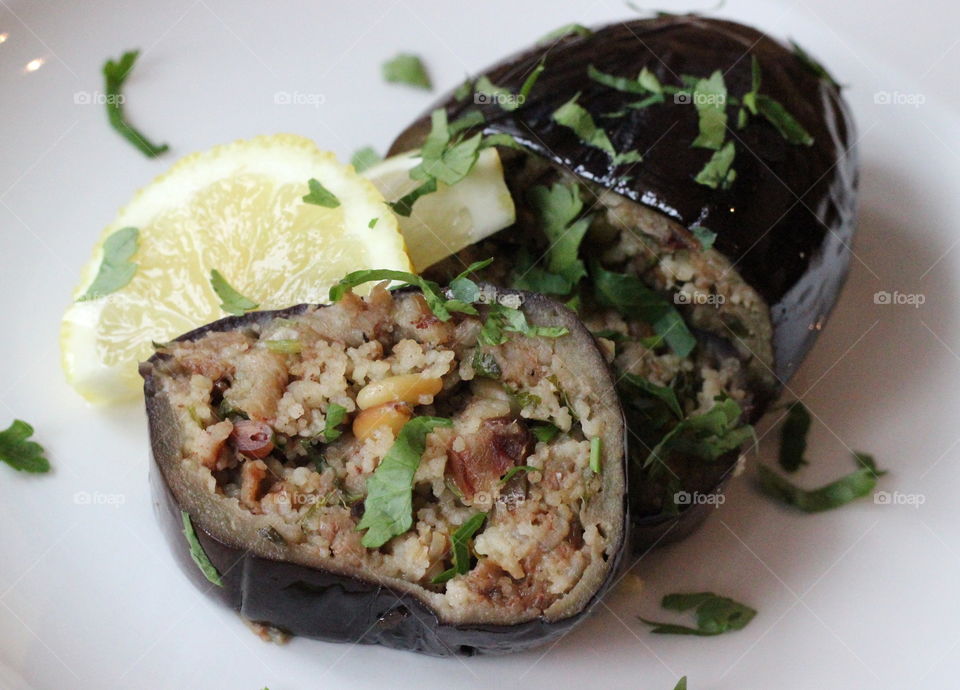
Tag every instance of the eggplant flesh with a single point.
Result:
(274, 578)
(783, 226)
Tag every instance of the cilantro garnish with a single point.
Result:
(115, 74)
(116, 269)
(197, 553)
(320, 195)
(388, 508)
(365, 158)
(407, 69)
(335, 416)
(634, 300)
(21, 454)
(793, 437)
(861, 482)
(715, 614)
(232, 301)
(573, 115)
(459, 545)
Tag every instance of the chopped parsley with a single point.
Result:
(681, 684)
(440, 306)
(861, 482)
(715, 614)
(718, 171)
(116, 269)
(634, 300)
(388, 508)
(706, 436)
(320, 195)
(115, 74)
(365, 158)
(811, 64)
(710, 100)
(197, 553)
(573, 115)
(335, 416)
(232, 301)
(21, 454)
(503, 319)
(564, 31)
(557, 209)
(793, 437)
(664, 394)
(460, 547)
(705, 237)
(544, 431)
(408, 69)
(777, 115)
(596, 454)
(485, 365)
(646, 82)
(514, 471)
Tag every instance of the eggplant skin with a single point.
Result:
(787, 220)
(325, 605)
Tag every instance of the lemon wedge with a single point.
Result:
(236, 209)
(453, 217)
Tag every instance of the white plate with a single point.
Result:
(863, 597)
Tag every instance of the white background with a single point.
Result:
(864, 597)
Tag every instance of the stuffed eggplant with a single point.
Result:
(402, 469)
(688, 185)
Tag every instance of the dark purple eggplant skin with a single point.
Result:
(785, 223)
(319, 604)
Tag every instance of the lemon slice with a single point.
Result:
(453, 217)
(238, 209)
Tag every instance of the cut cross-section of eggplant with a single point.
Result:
(374, 472)
(710, 162)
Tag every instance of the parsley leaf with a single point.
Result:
(566, 30)
(504, 97)
(388, 508)
(786, 124)
(365, 158)
(544, 431)
(573, 115)
(793, 437)
(440, 306)
(335, 416)
(514, 471)
(485, 365)
(664, 394)
(116, 269)
(21, 454)
(646, 82)
(442, 158)
(503, 319)
(115, 74)
(557, 208)
(197, 553)
(320, 195)
(596, 454)
(634, 300)
(857, 484)
(232, 301)
(460, 547)
(705, 237)
(706, 436)
(718, 171)
(407, 69)
(710, 100)
(811, 64)
(715, 614)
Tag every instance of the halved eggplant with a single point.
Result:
(782, 222)
(276, 483)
